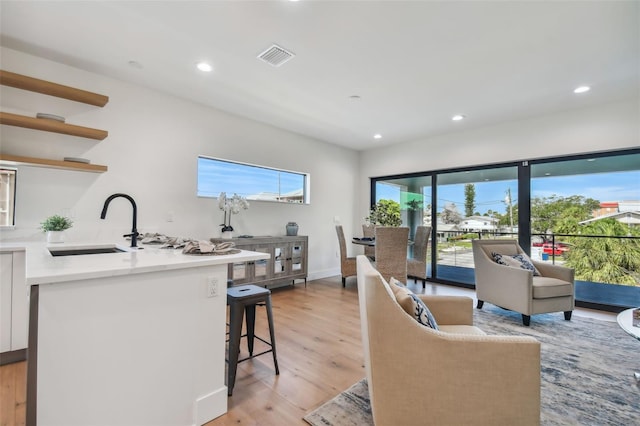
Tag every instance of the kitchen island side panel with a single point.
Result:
(143, 349)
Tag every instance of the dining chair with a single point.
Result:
(417, 264)
(347, 264)
(369, 231)
(391, 252)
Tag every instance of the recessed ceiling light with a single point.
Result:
(457, 117)
(205, 67)
(377, 136)
(581, 89)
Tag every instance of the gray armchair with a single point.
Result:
(518, 289)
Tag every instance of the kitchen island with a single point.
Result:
(127, 338)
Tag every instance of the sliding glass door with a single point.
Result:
(412, 198)
(472, 204)
(585, 214)
(582, 211)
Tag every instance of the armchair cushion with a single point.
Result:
(412, 304)
(519, 260)
(546, 287)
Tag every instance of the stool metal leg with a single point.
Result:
(272, 334)
(250, 314)
(235, 331)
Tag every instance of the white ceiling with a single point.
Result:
(414, 64)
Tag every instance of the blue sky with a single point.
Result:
(621, 186)
(216, 176)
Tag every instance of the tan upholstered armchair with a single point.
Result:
(453, 376)
(519, 289)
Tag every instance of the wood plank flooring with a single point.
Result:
(13, 394)
(319, 355)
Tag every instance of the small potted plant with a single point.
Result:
(55, 226)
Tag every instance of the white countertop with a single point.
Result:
(43, 268)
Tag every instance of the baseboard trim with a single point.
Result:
(210, 406)
(13, 356)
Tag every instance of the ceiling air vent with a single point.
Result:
(276, 55)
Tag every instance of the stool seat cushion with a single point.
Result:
(248, 290)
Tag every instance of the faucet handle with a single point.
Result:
(137, 234)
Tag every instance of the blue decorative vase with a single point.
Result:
(292, 229)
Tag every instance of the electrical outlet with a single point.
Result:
(212, 287)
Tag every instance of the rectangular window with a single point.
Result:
(7, 197)
(253, 182)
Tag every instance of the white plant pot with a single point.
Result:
(227, 235)
(55, 236)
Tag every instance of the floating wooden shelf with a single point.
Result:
(19, 81)
(58, 90)
(56, 164)
(51, 126)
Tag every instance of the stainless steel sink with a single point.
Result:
(82, 250)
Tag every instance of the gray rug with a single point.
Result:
(587, 372)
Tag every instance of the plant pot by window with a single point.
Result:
(55, 237)
(227, 235)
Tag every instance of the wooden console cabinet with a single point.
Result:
(288, 261)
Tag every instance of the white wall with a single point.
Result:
(151, 151)
(154, 140)
(611, 126)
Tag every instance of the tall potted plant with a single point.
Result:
(55, 226)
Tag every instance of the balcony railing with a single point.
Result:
(455, 264)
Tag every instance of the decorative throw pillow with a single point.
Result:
(516, 261)
(401, 292)
(422, 314)
(412, 304)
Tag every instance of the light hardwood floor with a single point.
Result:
(319, 355)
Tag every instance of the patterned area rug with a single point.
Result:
(587, 372)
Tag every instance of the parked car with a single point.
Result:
(558, 249)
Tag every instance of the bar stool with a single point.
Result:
(243, 299)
